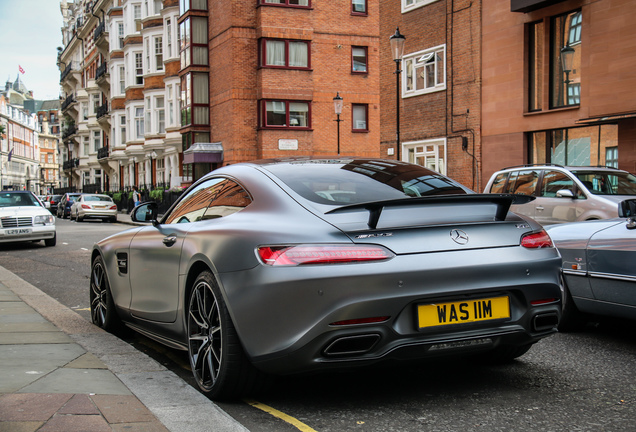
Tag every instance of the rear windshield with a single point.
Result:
(608, 183)
(341, 182)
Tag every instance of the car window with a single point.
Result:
(608, 183)
(499, 183)
(525, 182)
(96, 198)
(554, 181)
(360, 181)
(213, 198)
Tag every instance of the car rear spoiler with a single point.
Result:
(502, 201)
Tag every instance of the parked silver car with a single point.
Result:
(93, 206)
(565, 194)
(256, 269)
(24, 218)
(598, 266)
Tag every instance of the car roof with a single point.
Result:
(563, 167)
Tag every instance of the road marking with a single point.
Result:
(288, 419)
(84, 249)
(83, 309)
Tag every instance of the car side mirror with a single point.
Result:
(627, 209)
(145, 212)
(565, 193)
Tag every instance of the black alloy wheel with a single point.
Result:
(219, 364)
(103, 313)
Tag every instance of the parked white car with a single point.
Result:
(565, 194)
(24, 218)
(94, 206)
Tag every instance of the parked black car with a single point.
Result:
(64, 206)
(53, 200)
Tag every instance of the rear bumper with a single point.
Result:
(286, 317)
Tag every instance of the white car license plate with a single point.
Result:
(18, 231)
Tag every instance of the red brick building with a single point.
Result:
(439, 98)
(535, 110)
(261, 81)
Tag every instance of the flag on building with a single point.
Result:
(9, 155)
(20, 69)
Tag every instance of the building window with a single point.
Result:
(168, 26)
(285, 53)
(137, 17)
(359, 7)
(139, 122)
(97, 141)
(611, 157)
(122, 125)
(574, 94)
(535, 62)
(574, 35)
(287, 3)
(96, 102)
(360, 117)
(359, 60)
(120, 34)
(195, 99)
(159, 53)
(122, 80)
(424, 72)
(430, 154)
(193, 34)
(565, 30)
(285, 114)
(186, 5)
(139, 68)
(408, 5)
(582, 146)
(161, 114)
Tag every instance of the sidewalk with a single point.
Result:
(60, 373)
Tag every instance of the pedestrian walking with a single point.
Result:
(135, 196)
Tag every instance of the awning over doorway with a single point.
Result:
(526, 6)
(203, 153)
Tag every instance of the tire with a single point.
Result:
(572, 319)
(51, 241)
(219, 363)
(113, 219)
(103, 312)
(78, 218)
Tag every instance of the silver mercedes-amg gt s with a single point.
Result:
(289, 266)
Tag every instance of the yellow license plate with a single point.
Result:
(467, 311)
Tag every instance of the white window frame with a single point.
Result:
(420, 58)
(138, 68)
(168, 25)
(433, 151)
(160, 113)
(409, 5)
(122, 80)
(138, 112)
(158, 53)
(97, 141)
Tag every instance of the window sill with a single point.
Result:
(285, 128)
(553, 110)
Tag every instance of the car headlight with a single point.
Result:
(44, 220)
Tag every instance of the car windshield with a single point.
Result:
(607, 182)
(17, 199)
(97, 198)
(341, 182)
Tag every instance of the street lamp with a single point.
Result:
(567, 61)
(337, 106)
(397, 49)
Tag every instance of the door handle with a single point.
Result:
(540, 208)
(169, 241)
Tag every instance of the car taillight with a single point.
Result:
(113, 207)
(536, 240)
(84, 206)
(321, 254)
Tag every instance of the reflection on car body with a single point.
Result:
(598, 266)
(256, 271)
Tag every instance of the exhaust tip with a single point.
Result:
(545, 321)
(352, 345)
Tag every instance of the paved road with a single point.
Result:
(576, 382)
